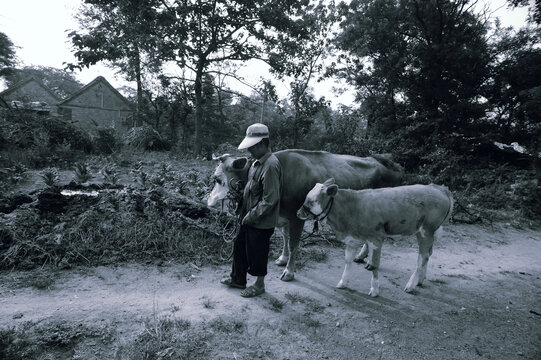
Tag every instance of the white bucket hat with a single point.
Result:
(254, 134)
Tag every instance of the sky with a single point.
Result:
(39, 30)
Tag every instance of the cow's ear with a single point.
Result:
(332, 190)
(329, 182)
(221, 158)
(239, 163)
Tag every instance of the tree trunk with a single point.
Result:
(198, 144)
(138, 120)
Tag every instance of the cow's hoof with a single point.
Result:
(373, 292)
(341, 285)
(287, 276)
(281, 261)
(409, 289)
(359, 259)
(370, 267)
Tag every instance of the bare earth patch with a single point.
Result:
(481, 301)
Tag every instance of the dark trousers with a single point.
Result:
(250, 253)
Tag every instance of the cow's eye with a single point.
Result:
(218, 180)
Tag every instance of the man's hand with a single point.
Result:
(244, 220)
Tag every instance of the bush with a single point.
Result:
(106, 141)
(146, 138)
(37, 140)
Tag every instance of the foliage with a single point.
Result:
(34, 140)
(106, 141)
(110, 173)
(82, 174)
(145, 138)
(61, 82)
(514, 92)
(154, 220)
(50, 177)
(7, 55)
(30, 340)
(418, 67)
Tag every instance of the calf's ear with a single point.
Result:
(239, 163)
(332, 190)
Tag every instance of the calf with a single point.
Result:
(359, 216)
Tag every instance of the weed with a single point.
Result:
(227, 325)
(49, 177)
(40, 281)
(276, 304)
(169, 338)
(110, 173)
(207, 303)
(31, 340)
(295, 298)
(82, 173)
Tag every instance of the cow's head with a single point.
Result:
(229, 178)
(318, 202)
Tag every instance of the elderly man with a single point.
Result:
(258, 213)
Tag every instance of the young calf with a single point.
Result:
(359, 216)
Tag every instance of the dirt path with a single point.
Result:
(482, 300)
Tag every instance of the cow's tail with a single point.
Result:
(447, 192)
(386, 160)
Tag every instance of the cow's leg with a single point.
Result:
(350, 254)
(362, 254)
(284, 257)
(374, 255)
(426, 241)
(295, 230)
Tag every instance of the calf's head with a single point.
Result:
(229, 178)
(318, 202)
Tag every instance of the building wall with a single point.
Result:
(98, 106)
(92, 118)
(29, 92)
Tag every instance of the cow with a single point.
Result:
(301, 170)
(369, 216)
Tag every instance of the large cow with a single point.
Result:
(369, 216)
(301, 170)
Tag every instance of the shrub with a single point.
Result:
(145, 138)
(106, 141)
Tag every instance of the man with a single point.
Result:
(258, 213)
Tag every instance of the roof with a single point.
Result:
(89, 85)
(25, 82)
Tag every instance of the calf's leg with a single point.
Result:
(295, 230)
(425, 241)
(373, 265)
(350, 254)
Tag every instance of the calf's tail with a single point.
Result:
(445, 189)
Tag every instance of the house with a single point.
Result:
(28, 93)
(98, 104)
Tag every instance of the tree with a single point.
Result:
(62, 82)
(118, 31)
(200, 34)
(419, 66)
(534, 9)
(8, 59)
(514, 91)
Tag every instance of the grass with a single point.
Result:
(33, 340)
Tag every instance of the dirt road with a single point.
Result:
(482, 300)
